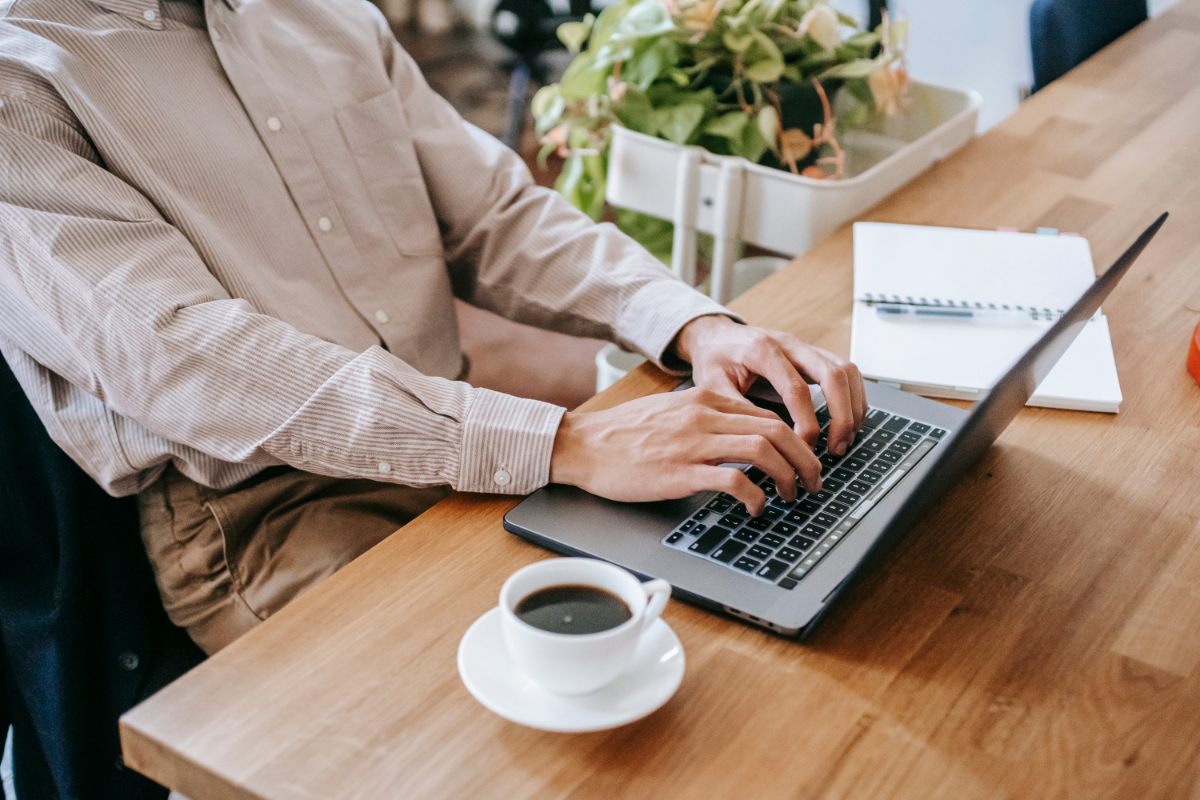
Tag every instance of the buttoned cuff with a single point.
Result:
(507, 443)
(656, 314)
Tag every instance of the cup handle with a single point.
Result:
(658, 592)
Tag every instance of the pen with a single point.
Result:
(898, 312)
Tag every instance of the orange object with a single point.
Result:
(1193, 362)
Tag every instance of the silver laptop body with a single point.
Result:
(783, 572)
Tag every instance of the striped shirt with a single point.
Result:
(231, 232)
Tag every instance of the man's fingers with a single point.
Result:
(731, 481)
(767, 444)
(841, 384)
(781, 372)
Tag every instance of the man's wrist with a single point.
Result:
(690, 339)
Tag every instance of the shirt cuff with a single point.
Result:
(656, 314)
(507, 443)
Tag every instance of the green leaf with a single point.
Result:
(646, 18)
(678, 123)
(860, 90)
(544, 98)
(867, 39)
(635, 112)
(859, 68)
(584, 77)
(752, 145)
(764, 61)
(650, 59)
(768, 123)
(574, 34)
(738, 42)
(897, 33)
(729, 126)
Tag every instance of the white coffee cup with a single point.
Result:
(569, 663)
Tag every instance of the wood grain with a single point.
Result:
(1037, 635)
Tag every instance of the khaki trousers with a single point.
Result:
(226, 560)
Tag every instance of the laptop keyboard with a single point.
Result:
(785, 543)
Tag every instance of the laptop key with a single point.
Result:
(810, 530)
(701, 514)
(843, 474)
(823, 416)
(746, 535)
(711, 538)
(759, 552)
(854, 464)
(823, 496)
(687, 526)
(728, 551)
(875, 418)
(825, 520)
(883, 436)
(919, 427)
(787, 554)
(832, 485)
(759, 524)
(889, 456)
(872, 446)
(837, 509)
(720, 505)
(896, 424)
(773, 569)
(849, 498)
(731, 520)
(674, 537)
(937, 433)
(773, 513)
(910, 436)
(881, 466)
(784, 528)
(796, 518)
(869, 476)
(747, 564)
(772, 540)
(800, 542)
(788, 583)
(859, 487)
(900, 447)
(755, 474)
(809, 506)
(830, 460)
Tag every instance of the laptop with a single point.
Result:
(784, 569)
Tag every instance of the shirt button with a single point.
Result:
(381, 316)
(324, 224)
(273, 123)
(129, 660)
(384, 467)
(502, 478)
(149, 14)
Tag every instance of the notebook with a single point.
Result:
(933, 266)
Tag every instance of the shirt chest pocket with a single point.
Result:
(377, 133)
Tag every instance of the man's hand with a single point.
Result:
(727, 358)
(669, 445)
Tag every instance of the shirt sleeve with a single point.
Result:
(99, 288)
(522, 251)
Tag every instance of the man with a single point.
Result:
(230, 235)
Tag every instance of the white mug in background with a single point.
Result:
(571, 663)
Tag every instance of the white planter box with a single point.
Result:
(778, 210)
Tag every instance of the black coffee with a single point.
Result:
(573, 609)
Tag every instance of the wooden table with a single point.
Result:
(1037, 635)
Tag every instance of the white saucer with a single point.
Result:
(490, 675)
